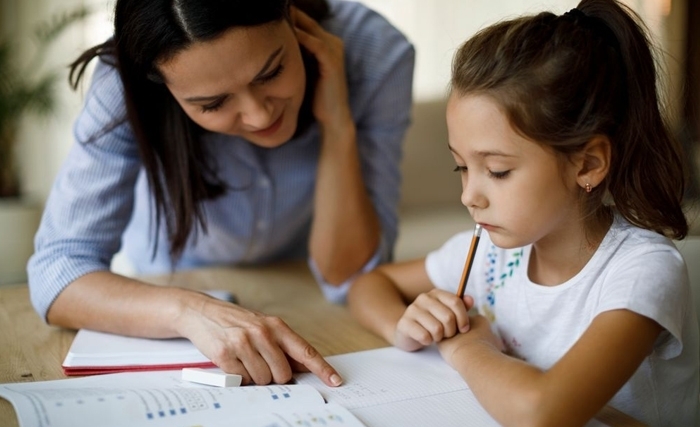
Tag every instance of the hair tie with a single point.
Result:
(576, 14)
(594, 24)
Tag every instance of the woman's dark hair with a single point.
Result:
(562, 80)
(146, 32)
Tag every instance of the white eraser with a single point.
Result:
(215, 377)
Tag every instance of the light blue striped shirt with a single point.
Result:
(100, 202)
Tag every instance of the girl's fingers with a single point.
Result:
(433, 325)
(446, 309)
(414, 330)
(458, 312)
(406, 342)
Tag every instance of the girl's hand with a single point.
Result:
(432, 317)
(479, 332)
(330, 105)
(261, 348)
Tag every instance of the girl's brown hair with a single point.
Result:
(562, 80)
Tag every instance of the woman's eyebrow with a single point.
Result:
(258, 76)
(271, 58)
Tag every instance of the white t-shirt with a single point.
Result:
(633, 269)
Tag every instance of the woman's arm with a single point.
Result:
(345, 229)
(355, 196)
(345, 232)
(516, 393)
(261, 348)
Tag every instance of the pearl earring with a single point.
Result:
(588, 188)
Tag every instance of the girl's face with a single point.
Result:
(518, 190)
(248, 82)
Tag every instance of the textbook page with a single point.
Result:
(163, 399)
(390, 387)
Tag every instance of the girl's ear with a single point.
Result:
(593, 162)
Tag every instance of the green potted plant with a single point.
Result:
(27, 89)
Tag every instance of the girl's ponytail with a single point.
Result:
(647, 176)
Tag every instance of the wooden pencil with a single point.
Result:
(469, 261)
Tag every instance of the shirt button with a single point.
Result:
(262, 225)
(264, 182)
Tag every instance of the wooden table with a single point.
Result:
(32, 351)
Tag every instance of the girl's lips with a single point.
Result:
(487, 226)
(270, 130)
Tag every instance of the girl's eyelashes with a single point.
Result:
(492, 174)
(498, 175)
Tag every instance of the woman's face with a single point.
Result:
(248, 82)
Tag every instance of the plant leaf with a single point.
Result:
(48, 31)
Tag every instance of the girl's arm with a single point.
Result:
(261, 348)
(573, 390)
(399, 303)
(378, 299)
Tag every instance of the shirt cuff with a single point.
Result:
(337, 293)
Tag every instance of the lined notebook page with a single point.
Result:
(390, 387)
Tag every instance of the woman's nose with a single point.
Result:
(255, 113)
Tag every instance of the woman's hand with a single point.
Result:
(261, 348)
(432, 317)
(479, 332)
(330, 105)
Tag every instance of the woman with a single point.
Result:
(239, 133)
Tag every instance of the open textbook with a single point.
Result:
(162, 399)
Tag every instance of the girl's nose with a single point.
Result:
(472, 195)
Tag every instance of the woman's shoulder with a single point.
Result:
(372, 43)
(103, 109)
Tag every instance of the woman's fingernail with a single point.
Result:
(336, 380)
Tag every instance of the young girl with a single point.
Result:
(566, 163)
(226, 132)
